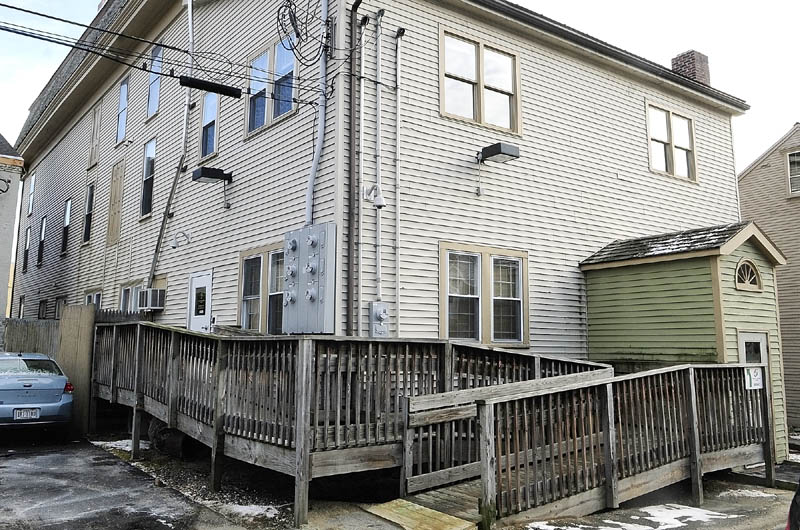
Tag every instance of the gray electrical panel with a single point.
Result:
(309, 298)
(378, 319)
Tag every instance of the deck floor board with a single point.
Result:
(459, 500)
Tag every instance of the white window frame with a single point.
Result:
(670, 155)
(88, 213)
(520, 299)
(479, 112)
(42, 237)
(31, 192)
(65, 229)
(269, 118)
(26, 253)
(759, 287)
(123, 109)
(154, 79)
(146, 177)
(203, 124)
(478, 296)
(789, 175)
(242, 314)
(94, 297)
(21, 310)
(270, 292)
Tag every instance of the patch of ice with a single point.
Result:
(746, 493)
(249, 511)
(122, 445)
(670, 515)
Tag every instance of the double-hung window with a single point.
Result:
(31, 193)
(42, 309)
(271, 93)
(671, 143)
(65, 230)
(208, 133)
(122, 110)
(479, 83)
(42, 232)
(61, 303)
(87, 213)
(794, 172)
(94, 297)
(27, 250)
(251, 293)
(156, 56)
(484, 295)
(147, 177)
(276, 286)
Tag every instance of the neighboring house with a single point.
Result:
(707, 295)
(769, 191)
(610, 145)
(10, 172)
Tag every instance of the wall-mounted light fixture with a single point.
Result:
(187, 237)
(375, 195)
(208, 175)
(499, 152)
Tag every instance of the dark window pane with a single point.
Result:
(147, 196)
(64, 238)
(507, 320)
(463, 316)
(199, 301)
(258, 106)
(752, 352)
(25, 260)
(87, 227)
(283, 96)
(275, 314)
(252, 277)
(40, 253)
(209, 134)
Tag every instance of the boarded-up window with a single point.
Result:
(94, 147)
(794, 172)
(115, 203)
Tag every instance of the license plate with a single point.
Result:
(26, 414)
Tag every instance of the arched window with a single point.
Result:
(747, 276)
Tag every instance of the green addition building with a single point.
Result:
(699, 296)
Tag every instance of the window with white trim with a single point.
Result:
(251, 293)
(793, 161)
(479, 83)
(208, 132)
(274, 68)
(21, 311)
(31, 192)
(87, 214)
(261, 289)
(463, 295)
(42, 234)
(276, 286)
(27, 251)
(65, 230)
(671, 143)
(506, 299)
(122, 110)
(94, 297)
(748, 278)
(154, 85)
(146, 205)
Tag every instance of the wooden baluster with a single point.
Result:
(487, 505)
(609, 447)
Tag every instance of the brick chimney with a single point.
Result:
(693, 65)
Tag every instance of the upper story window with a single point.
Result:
(273, 68)
(155, 80)
(747, 276)
(87, 215)
(480, 83)
(94, 146)
(122, 110)
(147, 177)
(65, 230)
(26, 252)
(31, 192)
(794, 172)
(208, 133)
(42, 233)
(671, 143)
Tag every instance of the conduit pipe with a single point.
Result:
(187, 100)
(354, 186)
(361, 180)
(398, 72)
(322, 106)
(378, 159)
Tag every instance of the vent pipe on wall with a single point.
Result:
(378, 158)
(355, 195)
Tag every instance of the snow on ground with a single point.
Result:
(746, 493)
(122, 445)
(664, 516)
(794, 457)
(250, 510)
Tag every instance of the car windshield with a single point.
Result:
(28, 366)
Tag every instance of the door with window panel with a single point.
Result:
(464, 296)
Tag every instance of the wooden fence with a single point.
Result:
(304, 406)
(593, 443)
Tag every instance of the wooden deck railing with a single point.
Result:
(596, 443)
(305, 406)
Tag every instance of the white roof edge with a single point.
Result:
(768, 152)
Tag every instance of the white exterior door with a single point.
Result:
(753, 348)
(200, 301)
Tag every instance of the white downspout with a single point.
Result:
(378, 144)
(360, 282)
(323, 103)
(398, 71)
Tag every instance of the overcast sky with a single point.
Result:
(752, 49)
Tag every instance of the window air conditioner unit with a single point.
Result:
(152, 299)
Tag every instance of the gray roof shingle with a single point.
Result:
(6, 149)
(666, 244)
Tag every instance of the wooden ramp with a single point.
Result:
(415, 516)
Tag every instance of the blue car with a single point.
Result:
(33, 392)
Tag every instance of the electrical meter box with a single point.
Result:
(309, 297)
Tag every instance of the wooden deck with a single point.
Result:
(545, 436)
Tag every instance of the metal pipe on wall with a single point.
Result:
(378, 159)
(397, 249)
(355, 195)
(322, 107)
(359, 310)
